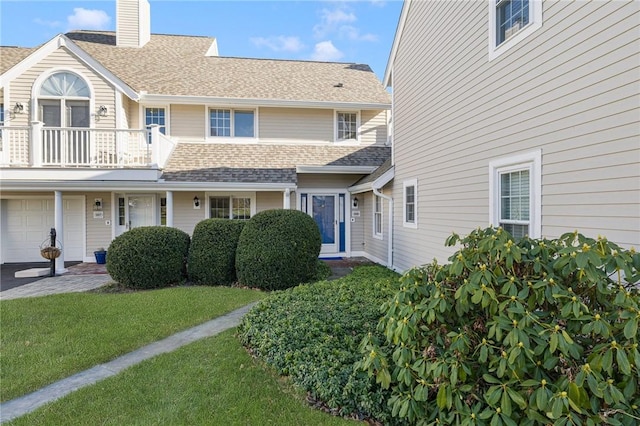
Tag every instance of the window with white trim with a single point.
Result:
(156, 116)
(510, 22)
(377, 216)
(515, 194)
(410, 203)
(347, 126)
(230, 207)
(231, 123)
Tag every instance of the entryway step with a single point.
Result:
(33, 272)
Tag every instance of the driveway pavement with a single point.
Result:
(8, 270)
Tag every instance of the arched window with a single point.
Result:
(65, 84)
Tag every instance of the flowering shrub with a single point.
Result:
(514, 332)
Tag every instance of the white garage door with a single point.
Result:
(27, 223)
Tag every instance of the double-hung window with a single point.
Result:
(155, 116)
(515, 194)
(225, 207)
(231, 123)
(510, 22)
(347, 126)
(410, 203)
(377, 216)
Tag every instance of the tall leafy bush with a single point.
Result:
(514, 332)
(278, 249)
(212, 254)
(149, 257)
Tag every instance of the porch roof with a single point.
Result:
(262, 163)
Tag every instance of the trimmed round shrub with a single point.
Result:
(278, 249)
(514, 332)
(212, 255)
(149, 257)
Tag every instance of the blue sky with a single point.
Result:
(345, 31)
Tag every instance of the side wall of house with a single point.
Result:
(21, 88)
(570, 90)
(375, 247)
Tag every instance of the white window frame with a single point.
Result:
(405, 184)
(378, 215)
(336, 113)
(531, 161)
(167, 118)
(232, 112)
(231, 196)
(535, 23)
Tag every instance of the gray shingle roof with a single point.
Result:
(255, 163)
(384, 167)
(177, 65)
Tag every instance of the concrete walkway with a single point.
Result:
(28, 403)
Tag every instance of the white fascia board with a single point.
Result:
(351, 170)
(396, 41)
(233, 102)
(384, 179)
(358, 189)
(142, 186)
(213, 49)
(63, 41)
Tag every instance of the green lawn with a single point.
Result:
(45, 339)
(210, 382)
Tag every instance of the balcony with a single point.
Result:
(73, 147)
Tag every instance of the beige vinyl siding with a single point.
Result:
(187, 122)
(185, 217)
(21, 88)
(271, 200)
(569, 89)
(315, 181)
(374, 246)
(295, 124)
(126, 116)
(127, 23)
(357, 226)
(373, 127)
(98, 232)
(133, 109)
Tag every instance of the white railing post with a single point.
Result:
(155, 143)
(36, 144)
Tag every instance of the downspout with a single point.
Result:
(390, 242)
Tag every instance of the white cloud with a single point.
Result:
(279, 43)
(353, 33)
(88, 19)
(45, 23)
(331, 20)
(326, 51)
(340, 21)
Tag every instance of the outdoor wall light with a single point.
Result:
(196, 202)
(355, 202)
(18, 108)
(102, 111)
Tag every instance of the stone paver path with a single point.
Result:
(56, 285)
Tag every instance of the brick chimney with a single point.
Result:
(133, 23)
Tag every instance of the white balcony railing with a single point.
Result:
(39, 146)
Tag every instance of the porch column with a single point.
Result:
(169, 196)
(59, 225)
(36, 144)
(286, 203)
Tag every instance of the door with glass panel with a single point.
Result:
(134, 211)
(324, 212)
